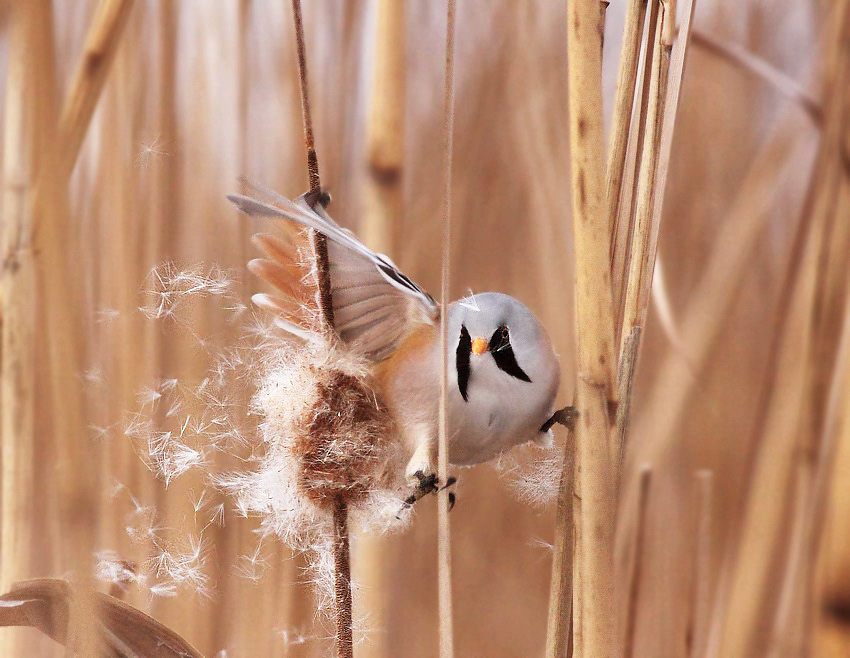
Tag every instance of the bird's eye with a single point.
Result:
(503, 354)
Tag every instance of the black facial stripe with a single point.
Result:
(464, 350)
(503, 354)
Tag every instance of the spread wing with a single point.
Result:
(375, 305)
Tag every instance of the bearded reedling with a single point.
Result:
(505, 377)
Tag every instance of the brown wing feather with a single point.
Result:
(286, 278)
(283, 251)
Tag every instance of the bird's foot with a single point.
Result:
(427, 484)
(566, 417)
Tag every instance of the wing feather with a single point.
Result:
(375, 304)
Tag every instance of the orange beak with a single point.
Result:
(479, 346)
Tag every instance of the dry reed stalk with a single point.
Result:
(667, 77)
(746, 583)
(18, 304)
(559, 622)
(594, 623)
(385, 130)
(379, 228)
(748, 61)
(99, 49)
(791, 634)
(342, 560)
(831, 633)
(622, 226)
(776, 161)
(642, 246)
(623, 109)
(45, 95)
(636, 567)
(764, 530)
(235, 624)
(64, 340)
(342, 580)
(821, 424)
(701, 566)
(444, 539)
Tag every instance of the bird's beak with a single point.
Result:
(479, 346)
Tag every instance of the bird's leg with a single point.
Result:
(421, 464)
(566, 417)
(428, 484)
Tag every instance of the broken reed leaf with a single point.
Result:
(122, 629)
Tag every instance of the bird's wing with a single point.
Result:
(375, 305)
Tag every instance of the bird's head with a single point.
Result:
(502, 332)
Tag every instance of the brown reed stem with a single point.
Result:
(594, 624)
(636, 569)
(383, 206)
(18, 308)
(309, 143)
(318, 241)
(342, 582)
(623, 109)
(342, 548)
(444, 554)
(76, 473)
(665, 88)
(749, 61)
(559, 624)
(642, 248)
(383, 211)
(697, 633)
(781, 413)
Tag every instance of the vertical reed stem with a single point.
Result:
(444, 555)
(558, 630)
(342, 582)
(698, 622)
(623, 106)
(593, 605)
(637, 563)
(18, 305)
(342, 549)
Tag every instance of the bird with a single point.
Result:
(503, 373)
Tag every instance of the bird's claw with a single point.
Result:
(428, 484)
(566, 417)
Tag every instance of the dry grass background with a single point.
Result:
(744, 365)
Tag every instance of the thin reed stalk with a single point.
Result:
(623, 109)
(831, 633)
(749, 61)
(444, 539)
(772, 166)
(385, 130)
(643, 247)
(698, 622)
(764, 529)
(559, 623)
(594, 625)
(636, 567)
(342, 581)
(623, 224)
(77, 477)
(380, 229)
(668, 66)
(318, 242)
(18, 297)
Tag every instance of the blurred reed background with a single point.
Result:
(743, 386)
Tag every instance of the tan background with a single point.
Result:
(203, 92)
